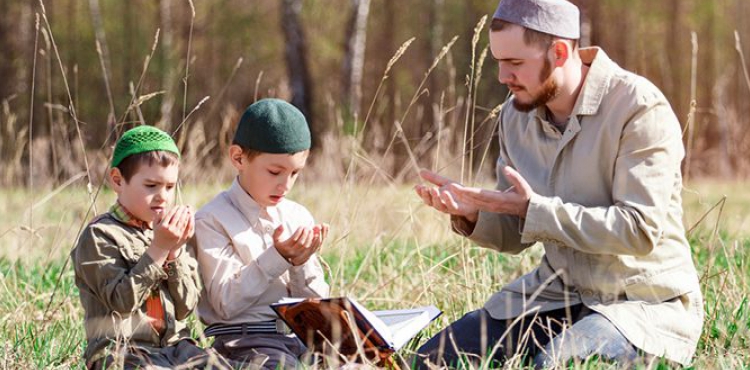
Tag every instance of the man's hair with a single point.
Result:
(530, 37)
(130, 165)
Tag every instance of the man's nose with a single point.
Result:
(503, 75)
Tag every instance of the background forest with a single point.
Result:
(76, 71)
(388, 86)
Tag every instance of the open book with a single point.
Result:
(346, 327)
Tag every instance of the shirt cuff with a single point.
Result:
(175, 269)
(147, 272)
(461, 226)
(537, 217)
(272, 263)
(303, 275)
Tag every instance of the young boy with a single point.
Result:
(137, 283)
(254, 246)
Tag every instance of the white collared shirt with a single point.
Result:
(242, 272)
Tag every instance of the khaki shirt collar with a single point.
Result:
(246, 204)
(601, 69)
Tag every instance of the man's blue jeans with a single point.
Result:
(550, 338)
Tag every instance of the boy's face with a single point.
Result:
(149, 191)
(268, 178)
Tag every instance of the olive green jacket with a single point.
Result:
(115, 276)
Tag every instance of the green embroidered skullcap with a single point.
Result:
(273, 126)
(140, 140)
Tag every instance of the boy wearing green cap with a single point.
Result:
(254, 246)
(137, 282)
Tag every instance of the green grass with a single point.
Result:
(387, 254)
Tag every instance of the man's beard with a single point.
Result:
(549, 90)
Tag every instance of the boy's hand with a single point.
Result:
(173, 229)
(301, 245)
(320, 233)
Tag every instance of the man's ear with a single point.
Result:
(116, 180)
(561, 51)
(236, 156)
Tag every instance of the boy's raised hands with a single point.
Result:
(302, 244)
(171, 230)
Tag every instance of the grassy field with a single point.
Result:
(385, 249)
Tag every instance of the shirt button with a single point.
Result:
(268, 229)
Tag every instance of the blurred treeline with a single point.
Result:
(69, 83)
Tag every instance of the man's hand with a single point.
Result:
(513, 201)
(171, 230)
(443, 198)
(302, 244)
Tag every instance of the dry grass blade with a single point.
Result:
(197, 106)
(70, 100)
(469, 120)
(418, 92)
(137, 87)
(719, 204)
(401, 50)
(738, 46)
(31, 117)
(187, 60)
(144, 98)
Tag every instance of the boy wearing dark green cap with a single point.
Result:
(137, 282)
(254, 246)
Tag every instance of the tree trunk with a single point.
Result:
(354, 57)
(296, 62)
(101, 38)
(677, 37)
(168, 72)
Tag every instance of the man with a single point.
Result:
(589, 166)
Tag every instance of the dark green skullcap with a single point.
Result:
(140, 140)
(273, 126)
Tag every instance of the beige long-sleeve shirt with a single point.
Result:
(607, 211)
(242, 270)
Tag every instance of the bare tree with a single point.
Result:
(296, 61)
(354, 57)
(169, 73)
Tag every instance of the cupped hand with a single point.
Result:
(173, 228)
(512, 201)
(303, 243)
(442, 196)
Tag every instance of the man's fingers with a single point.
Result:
(435, 200)
(434, 178)
(515, 178)
(448, 200)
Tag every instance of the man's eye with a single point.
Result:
(275, 173)
(170, 187)
(150, 186)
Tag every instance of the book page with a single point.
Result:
(394, 327)
(377, 324)
(405, 324)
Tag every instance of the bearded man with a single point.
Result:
(589, 166)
